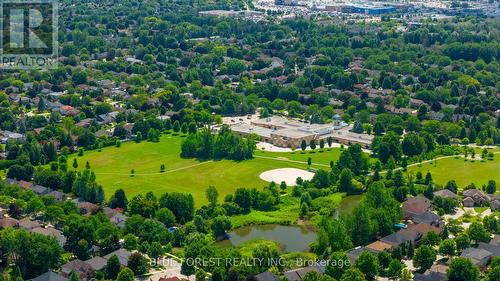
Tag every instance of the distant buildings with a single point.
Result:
(285, 132)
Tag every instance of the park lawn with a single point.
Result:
(463, 172)
(113, 166)
(287, 213)
(321, 157)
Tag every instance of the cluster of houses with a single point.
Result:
(418, 212)
(85, 269)
(475, 197)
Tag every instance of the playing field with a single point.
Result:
(463, 172)
(113, 168)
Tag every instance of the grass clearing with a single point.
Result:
(113, 168)
(463, 172)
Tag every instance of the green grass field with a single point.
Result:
(463, 172)
(113, 165)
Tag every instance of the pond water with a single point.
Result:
(348, 203)
(291, 238)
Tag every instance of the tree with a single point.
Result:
(75, 163)
(345, 180)
(220, 225)
(491, 188)
(478, 233)
(283, 186)
(462, 241)
(130, 242)
(177, 126)
(353, 274)
(448, 247)
(125, 274)
(155, 251)
(494, 274)
(112, 267)
(303, 145)
(395, 269)
(368, 264)
(165, 216)
(337, 266)
(424, 257)
(243, 198)
(212, 194)
(312, 144)
(119, 200)
(329, 140)
(462, 269)
(73, 276)
(138, 264)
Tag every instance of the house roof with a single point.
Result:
(80, 267)
(40, 190)
(8, 222)
(476, 254)
(97, 263)
(492, 248)
(173, 278)
(298, 274)
(429, 276)
(427, 217)
(396, 239)
(446, 193)
(266, 276)
(416, 205)
(28, 224)
(379, 246)
(50, 276)
(354, 253)
(122, 254)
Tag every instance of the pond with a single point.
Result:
(291, 238)
(347, 204)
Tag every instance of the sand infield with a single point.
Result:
(288, 175)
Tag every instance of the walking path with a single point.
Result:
(288, 160)
(158, 173)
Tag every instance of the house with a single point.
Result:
(416, 205)
(28, 224)
(354, 253)
(479, 257)
(115, 217)
(477, 196)
(87, 208)
(397, 238)
(379, 246)
(25, 185)
(468, 202)
(427, 218)
(122, 254)
(492, 248)
(266, 276)
(59, 196)
(97, 263)
(173, 278)
(298, 274)
(446, 193)
(50, 276)
(8, 222)
(50, 231)
(40, 190)
(84, 270)
(495, 205)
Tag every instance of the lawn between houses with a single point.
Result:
(463, 172)
(113, 166)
